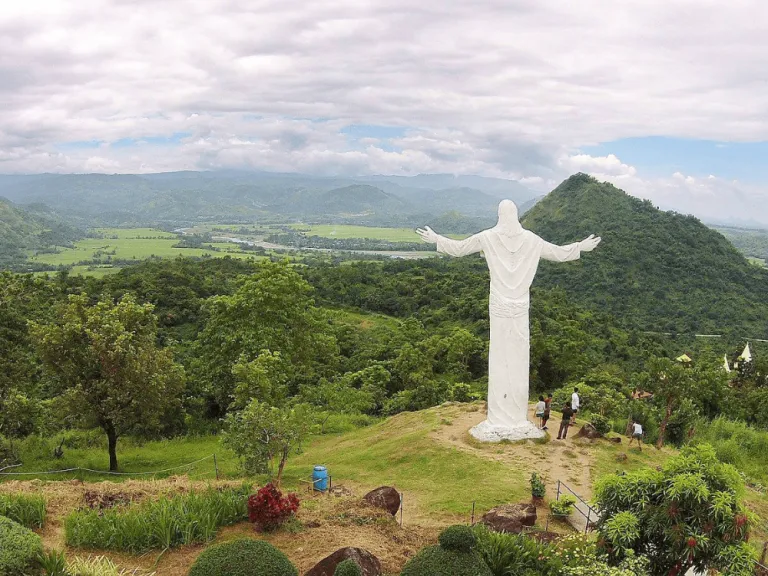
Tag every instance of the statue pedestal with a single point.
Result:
(486, 432)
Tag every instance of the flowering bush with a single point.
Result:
(268, 508)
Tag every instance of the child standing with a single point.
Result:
(540, 409)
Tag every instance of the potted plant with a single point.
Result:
(563, 507)
(538, 488)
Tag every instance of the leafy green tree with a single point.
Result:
(336, 397)
(260, 434)
(264, 379)
(687, 515)
(272, 309)
(106, 359)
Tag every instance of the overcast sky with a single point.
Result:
(666, 98)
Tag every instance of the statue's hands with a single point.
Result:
(427, 234)
(589, 244)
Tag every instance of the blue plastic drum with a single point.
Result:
(320, 478)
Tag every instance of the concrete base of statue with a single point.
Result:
(486, 432)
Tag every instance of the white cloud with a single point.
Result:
(497, 87)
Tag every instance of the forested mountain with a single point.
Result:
(654, 270)
(33, 229)
(231, 196)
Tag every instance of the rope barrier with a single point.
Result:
(65, 470)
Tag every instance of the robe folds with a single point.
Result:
(512, 261)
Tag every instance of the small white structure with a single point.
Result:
(512, 254)
(746, 356)
(725, 359)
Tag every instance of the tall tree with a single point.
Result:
(272, 310)
(106, 359)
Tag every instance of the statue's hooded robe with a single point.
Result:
(512, 254)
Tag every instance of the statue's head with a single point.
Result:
(508, 224)
(507, 211)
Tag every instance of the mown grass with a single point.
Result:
(437, 480)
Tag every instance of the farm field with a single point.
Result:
(345, 231)
(129, 244)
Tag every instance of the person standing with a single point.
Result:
(575, 403)
(540, 407)
(547, 408)
(567, 415)
(637, 434)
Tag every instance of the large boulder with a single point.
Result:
(384, 497)
(510, 517)
(368, 563)
(589, 431)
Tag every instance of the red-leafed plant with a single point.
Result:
(268, 508)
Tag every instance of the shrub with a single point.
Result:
(161, 524)
(268, 508)
(29, 511)
(19, 549)
(507, 554)
(243, 558)
(435, 561)
(563, 506)
(348, 568)
(601, 424)
(538, 488)
(687, 515)
(458, 538)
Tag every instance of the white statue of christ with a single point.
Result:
(512, 254)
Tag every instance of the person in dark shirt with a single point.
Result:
(567, 415)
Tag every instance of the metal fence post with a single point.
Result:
(216, 466)
(473, 514)
(401, 509)
(558, 490)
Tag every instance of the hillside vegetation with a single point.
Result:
(653, 270)
(22, 231)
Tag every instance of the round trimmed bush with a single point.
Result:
(436, 561)
(458, 538)
(243, 558)
(348, 568)
(19, 548)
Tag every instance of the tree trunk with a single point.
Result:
(283, 458)
(664, 422)
(112, 438)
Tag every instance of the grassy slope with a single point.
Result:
(440, 479)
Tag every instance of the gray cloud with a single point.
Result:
(498, 87)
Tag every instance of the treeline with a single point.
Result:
(301, 240)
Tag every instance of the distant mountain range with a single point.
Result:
(233, 196)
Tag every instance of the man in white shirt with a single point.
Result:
(637, 434)
(575, 401)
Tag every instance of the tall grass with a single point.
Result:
(29, 511)
(738, 444)
(167, 523)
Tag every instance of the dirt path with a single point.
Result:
(569, 460)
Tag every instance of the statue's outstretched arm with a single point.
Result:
(571, 251)
(451, 247)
